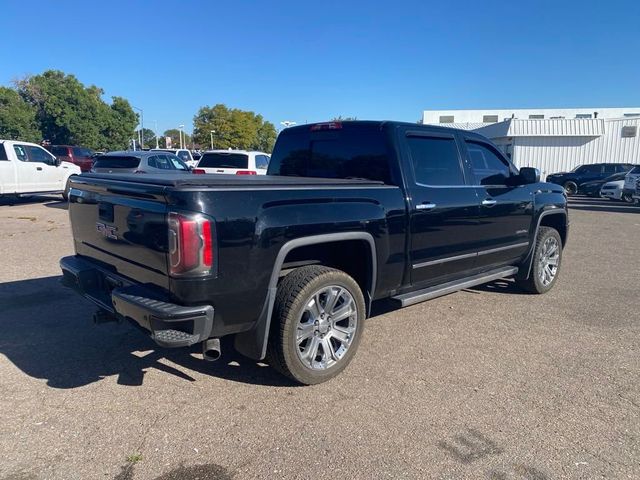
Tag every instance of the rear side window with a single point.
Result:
(21, 153)
(81, 152)
(352, 151)
(262, 162)
(488, 168)
(114, 161)
(590, 169)
(435, 160)
(224, 160)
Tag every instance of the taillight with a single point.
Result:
(198, 171)
(246, 172)
(190, 245)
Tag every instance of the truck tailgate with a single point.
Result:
(121, 225)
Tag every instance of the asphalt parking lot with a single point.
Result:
(487, 383)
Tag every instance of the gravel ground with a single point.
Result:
(487, 383)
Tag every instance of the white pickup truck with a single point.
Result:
(27, 168)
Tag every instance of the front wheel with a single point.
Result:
(317, 324)
(571, 188)
(628, 198)
(547, 258)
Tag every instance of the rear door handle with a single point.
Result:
(489, 202)
(425, 206)
(38, 168)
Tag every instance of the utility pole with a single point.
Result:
(141, 136)
(156, 135)
(212, 132)
(181, 144)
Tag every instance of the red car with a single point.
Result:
(83, 157)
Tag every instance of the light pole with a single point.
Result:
(212, 132)
(181, 127)
(141, 126)
(156, 135)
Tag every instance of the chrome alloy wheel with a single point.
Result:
(549, 261)
(326, 327)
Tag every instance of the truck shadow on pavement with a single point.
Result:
(53, 201)
(48, 333)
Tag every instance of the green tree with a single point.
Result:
(148, 137)
(17, 118)
(174, 133)
(70, 113)
(233, 128)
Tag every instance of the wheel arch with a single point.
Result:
(556, 218)
(254, 342)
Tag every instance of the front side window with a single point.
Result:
(21, 153)
(37, 154)
(60, 151)
(488, 168)
(610, 169)
(82, 152)
(590, 169)
(435, 161)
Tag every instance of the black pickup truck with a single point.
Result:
(289, 263)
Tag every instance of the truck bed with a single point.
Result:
(230, 181)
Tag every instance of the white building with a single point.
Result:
(433, 117)
(553, 140)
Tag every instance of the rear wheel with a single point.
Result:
(317, 324)
(571, 188)
(67, 187)
(547, 258)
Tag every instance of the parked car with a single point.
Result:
(151, 161)
(27, 168)
(81, 156)
(573, 180)
(593, 187)
(630, 181)
(196, 156)
(613, 190)
(233, 162)
(182, 153)
(289, 263)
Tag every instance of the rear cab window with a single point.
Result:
(116, 161)
(345, 151)
(224, 160)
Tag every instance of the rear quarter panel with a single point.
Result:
(253, 224)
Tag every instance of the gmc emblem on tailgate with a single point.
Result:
(106, 230)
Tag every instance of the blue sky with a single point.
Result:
(313, 60)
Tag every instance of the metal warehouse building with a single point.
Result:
(548, 140)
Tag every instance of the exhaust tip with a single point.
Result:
(211, 349)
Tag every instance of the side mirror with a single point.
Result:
(529, 175)
(56, 161)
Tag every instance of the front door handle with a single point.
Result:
(38, 168)
(425, 206)
(489, 202)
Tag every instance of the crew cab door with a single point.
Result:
(506, 208)
(443, 210)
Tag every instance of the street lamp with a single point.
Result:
(212, 132)
(181, 127)
(141, 136)
(155, 134)
(288, 123)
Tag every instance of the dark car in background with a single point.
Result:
(81, 156)
(139, 162)
(574, 180)
(592, 189)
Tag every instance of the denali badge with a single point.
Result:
(106, 230)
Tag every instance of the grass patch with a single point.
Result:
(134, 458)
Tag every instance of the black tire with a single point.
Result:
(570, 187)
(294, 295)
(628, 198)
(535, 283)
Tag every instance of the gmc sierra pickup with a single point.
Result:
(289, 263)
